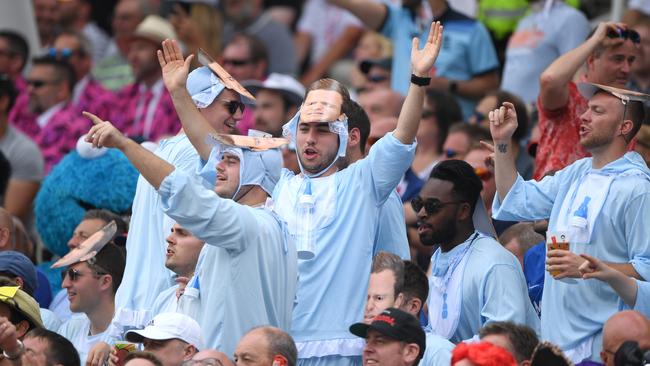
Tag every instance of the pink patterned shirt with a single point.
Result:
(147, 113)
(94, 98)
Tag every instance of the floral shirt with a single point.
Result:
(134, 117)
(559, 143)
(95, 99)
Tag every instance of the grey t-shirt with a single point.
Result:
(23, 154)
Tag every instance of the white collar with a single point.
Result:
(44, 118)
(79, 88)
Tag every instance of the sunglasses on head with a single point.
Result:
(630, 34)
(233, 106)
(377, 78)
(233, 62)
(63, 53)
(431, 205)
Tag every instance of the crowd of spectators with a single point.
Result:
(325, 182)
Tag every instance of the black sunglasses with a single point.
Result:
(36, 83)
(630, 34)
(229, 61)
(431, 205)
(74, 274)
(377, 78)
(233, 106)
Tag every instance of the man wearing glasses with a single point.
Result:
(91, 285)
(473, 280)
(609, 54)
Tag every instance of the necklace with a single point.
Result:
(455, 261)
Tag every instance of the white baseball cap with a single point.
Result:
(282, 83)
(166, 326)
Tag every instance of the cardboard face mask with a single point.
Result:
(89, 248)
(206, 60)
(322, 106)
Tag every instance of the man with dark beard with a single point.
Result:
(474, 280)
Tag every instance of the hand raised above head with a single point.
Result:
(174, 68)
(503, 123)
(422, 60)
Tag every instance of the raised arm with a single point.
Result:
(503, 123)
(553, 81)
(421, 63)
(371, 13)
(152, 168)
(175, 71)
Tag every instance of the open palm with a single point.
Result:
(422, 59)
(174, 68)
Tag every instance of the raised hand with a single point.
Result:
(174, 68)
(103, 133)
(503, 123)
(422, 59)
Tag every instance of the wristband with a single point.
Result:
(453, 87)
(420, 81)
(21, 350)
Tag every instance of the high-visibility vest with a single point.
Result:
(500, 17)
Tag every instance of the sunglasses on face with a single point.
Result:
(36, 83)
(74, 274)
(377, 78)
(451, 153)
(630, 34)
(233, 106)
(431, 205)
(483, 173)
(233, 62)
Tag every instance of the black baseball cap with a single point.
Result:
(384, 63)
(395, 324)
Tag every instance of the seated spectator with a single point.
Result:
(247, 16)
(15, 51)
(17, 267)
(209, 357)
(372, 45)
(144, 109)
(139, 358)
(640, 78)
(325, 34)
(519, 340)
(377, 73)
(19, 316)
(266, 346)
(57, 125)
(277, 100)
(394, 337)
(91, 284)
(634, 293)
(24, 156)
(541, 37)
(76, 16)
(461, 138)
(468, 262)
(519, 239)
(44, 347)
(381, 103)
(525, 163)
(48, 19)
(379, 128)
(621, 327)
(88, 94)
(481, 354)
(113, 71)
(172, 337)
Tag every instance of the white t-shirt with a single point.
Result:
(77, 331)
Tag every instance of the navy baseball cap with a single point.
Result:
(17, 264)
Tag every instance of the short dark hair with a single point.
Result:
(256, 48)
(358, 118)
(634, 111)
(474, 133)
(280, 343)
(523, 338)
(447, 112)
(17, 45)
(62, 69)
(143, 355)
(8, 88)
(85, 47)
(389, 261)
(5, 174)
(467, 185)
(416, 284)
(59, 349)
(111, 259)
(520, 109)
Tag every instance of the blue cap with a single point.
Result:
(18, 265)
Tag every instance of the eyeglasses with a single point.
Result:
(630, 34)
(204, 362)
(75, 274)
(233, 62)
(377, 78)
(431, 205)
(233, 106)
(63, 53)
(37, 83)
(483, 173)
